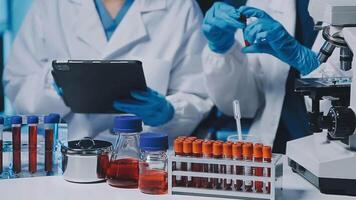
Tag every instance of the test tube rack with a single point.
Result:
(276, 166)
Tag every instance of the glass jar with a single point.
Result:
(153, 163)
(123, 170)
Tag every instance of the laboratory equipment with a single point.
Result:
(225, 167)
(16, 122)
(153, 178)
(326, 159)
(123, 170)
(49, 122)
(1, 144)
(85, 160)
(237, 115)
(32, 122)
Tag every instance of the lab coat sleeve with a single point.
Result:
(186, 91)
(28, 82)
(232, 76)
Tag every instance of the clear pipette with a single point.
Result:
(237, 115)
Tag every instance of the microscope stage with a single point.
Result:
(329, 165)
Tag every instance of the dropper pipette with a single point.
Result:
(237, 115)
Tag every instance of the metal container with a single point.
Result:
(86, 160)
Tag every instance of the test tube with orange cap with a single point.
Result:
(197, 167)
(217, 154)
(258, 171)
(238, 170)
(187, 150)
(227, 169)
(207, 149)
(247, 149)
(267, 158)
(178, 151)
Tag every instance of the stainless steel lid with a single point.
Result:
(86, 146)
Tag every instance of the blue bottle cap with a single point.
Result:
(56, 116)
(153, 141)
(16, 119)
(127, 124)
(32, 119)
(2, 120)
(50, 119)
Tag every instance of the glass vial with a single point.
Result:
(197, 167)
(258, 171)
(247, 149)
(217, 154)
(227, 169)
(123, 171)
(32, 122)
(49, 126)
(238, 170)
(16, 122)
(187, 166)
(153, 178)
(207, 149)
(267, 158)
(177, 166)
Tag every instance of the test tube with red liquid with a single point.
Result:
(247, 149)
(258, 171)
(217, 154)
(267, 158)
(187, 150)
(178, 151)
(1, 144)
(32, 122)
(16, 122)
(207, 149)
(227, 169)
(238, 170)
(49, 122)
(197, 167)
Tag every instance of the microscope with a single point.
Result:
(327, 159)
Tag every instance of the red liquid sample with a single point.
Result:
(217, 154)
(153, 181)
(187, 150)
(258, 171)
(267, 158)
(1, 165)
(197, 167)
(32, 149)
(48, 150)
(102, 166)
(247, 152)
(176, 166)
(123, 173)
(244, 20)
(207, 149)
(227, 169)
(16, 145)
(238, 170)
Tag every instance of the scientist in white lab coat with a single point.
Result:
(164, 34)
(262, 75)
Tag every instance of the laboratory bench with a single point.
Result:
(56, 188)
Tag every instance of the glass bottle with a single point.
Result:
(32, 122)
(16, 122)
(153, 163)
(123, 170)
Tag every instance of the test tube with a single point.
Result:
(243, 19)
(207, 149)
(16, 122)
(32, 122)
(197, 167)
(49, 143)
(267, 158)
(258, 171)
(178, 151)
(227, 169)
(187, 150)
(1, 142)
(247, 156)
(239, 170)
(217, 154)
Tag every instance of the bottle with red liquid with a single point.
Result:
(187, 166)
(197, 167)
(238, 170)
(32, 122)
(227, 169)
(207, 149)
(123, 171)
(16, 122)
(267, 158)
(217, 154)
(177, 166)
(247, 153)
(1, 144)
(49, 125)
(153, 178)
(258, 171)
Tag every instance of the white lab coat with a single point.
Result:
(258, 80)
(164, 34)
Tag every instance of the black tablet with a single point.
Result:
(91, 86)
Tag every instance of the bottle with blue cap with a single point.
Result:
(49, 124)
(123, 170)
(153, 163)
(32, 122)
(1, 144)
(16, 122)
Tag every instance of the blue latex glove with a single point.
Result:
(268, 36)
(220, 25)
(150, 106)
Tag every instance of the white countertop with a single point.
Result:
(55, 188)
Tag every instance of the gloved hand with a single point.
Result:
(150, 106)
(266, 35)
(220, 25)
